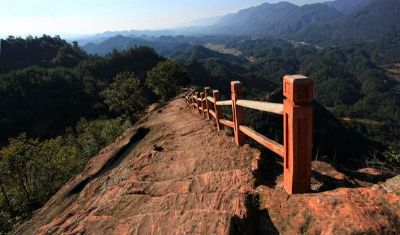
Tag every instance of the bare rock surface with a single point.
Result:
(173, 173)
(392, 185)
(340, 211)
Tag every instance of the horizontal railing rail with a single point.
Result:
(263, 140)
(296, 110)
(262, 106)
(226, 103)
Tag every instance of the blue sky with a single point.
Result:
(78, 17)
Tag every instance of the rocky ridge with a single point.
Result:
(173, 173)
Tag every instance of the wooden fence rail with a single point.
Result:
(297, 113)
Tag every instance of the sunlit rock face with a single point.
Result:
(173, 173)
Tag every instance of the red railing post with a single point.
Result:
(206, 93)
(217, 109)
(188, 98)
(197, 102)
(298, 131)
(237, 111)
(193, 100)
(202, 103)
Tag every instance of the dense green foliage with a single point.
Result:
(19, 53)
(32, 170)
(45, 101)
(59, 107)
(138, 60)
(125, 96)
(166, 79)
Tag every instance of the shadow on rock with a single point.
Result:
(268, 169)
(112, 162)
(256, 221)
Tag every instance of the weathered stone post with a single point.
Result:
(298, 133)
(237, 111)
(217, 109)
(207, 91)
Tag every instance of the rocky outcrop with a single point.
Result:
(340, 211)
(170, 174)
(173, 173)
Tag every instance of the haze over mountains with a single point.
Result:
(330, 21)
(347, 7)
(376, 21)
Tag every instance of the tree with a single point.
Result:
(43, 102)
(124, 96)
(91, 136)
(32, 170)
(166, 79)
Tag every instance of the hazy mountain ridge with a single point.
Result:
(280, 20)
(276, 20)
(203, 21)
(164, 45)
(349, 6)
(374, 22)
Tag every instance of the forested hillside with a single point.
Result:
(347, 7)
(377, 21)
(273, 20)
(59, 106)
(19, 53)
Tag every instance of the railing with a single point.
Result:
(297, 114)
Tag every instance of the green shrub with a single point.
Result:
(124, 96)
(166, 79)
(31, 171)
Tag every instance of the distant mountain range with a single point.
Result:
(348, 6)
(329, 21)
(274, 20)
(164, 45)
(378, 20)
(203, 22)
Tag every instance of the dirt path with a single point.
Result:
(177, 175)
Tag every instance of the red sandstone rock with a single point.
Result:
(341, 211)
(201, 183)
(392, 185)
(181, 178)
(327, 177)
(370, 171)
